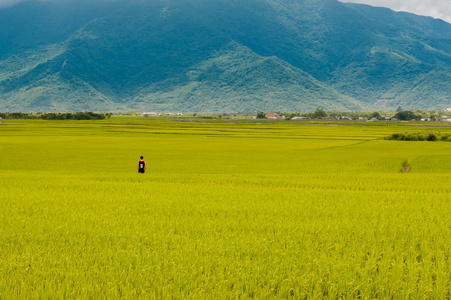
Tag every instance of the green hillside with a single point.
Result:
(220, 55)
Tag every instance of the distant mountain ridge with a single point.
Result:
(220, 55)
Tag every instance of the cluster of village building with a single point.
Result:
(155, 114)
(276, 116)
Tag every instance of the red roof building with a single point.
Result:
(272, 115)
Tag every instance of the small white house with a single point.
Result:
(448, 109)
(149, 114)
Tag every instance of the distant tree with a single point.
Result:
(334, 114)
(399, 109)
(49, 116)
(290, 116)
(375, 115)
(261, 115)
(406, 115)
(56, 116)
(319, 113)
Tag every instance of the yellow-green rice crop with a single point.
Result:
(226, 210)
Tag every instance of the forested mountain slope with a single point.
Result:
(220, 55)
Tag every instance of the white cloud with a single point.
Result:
(434, 8)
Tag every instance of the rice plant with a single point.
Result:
(224, 210)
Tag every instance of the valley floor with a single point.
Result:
(225, 210)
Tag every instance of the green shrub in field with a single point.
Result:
(445, 137)
(395, 137)
(419, 136)
(411, 137)
(422, 136)
(432, 137)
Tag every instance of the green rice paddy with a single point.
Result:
(225, 210)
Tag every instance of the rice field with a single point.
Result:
(225, 210)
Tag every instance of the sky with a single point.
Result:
(435, 8)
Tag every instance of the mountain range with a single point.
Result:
(220, 55)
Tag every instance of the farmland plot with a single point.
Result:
(225, 210)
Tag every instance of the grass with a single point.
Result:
(226, 210)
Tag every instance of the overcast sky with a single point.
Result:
(434, 8)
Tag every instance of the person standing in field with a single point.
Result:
(142, 165)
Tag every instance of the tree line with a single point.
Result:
(87, 115)
(400, 114)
